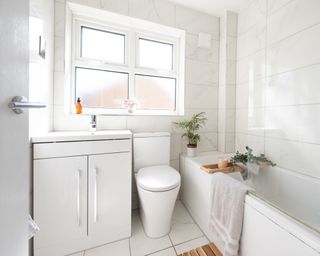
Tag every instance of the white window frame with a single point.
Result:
(133, 29)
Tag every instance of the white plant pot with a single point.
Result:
(191, 152)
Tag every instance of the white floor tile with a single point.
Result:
(77, 254)
(183, 227)
(166, 252)
(120, 248)
(191, 245)
(142, 245)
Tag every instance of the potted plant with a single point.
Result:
(190, 128)
(249, 161)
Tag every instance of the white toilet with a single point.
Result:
(158, 184)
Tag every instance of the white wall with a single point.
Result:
(41, 70)
(278, 74)
(201, 71)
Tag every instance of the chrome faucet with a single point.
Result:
(93, 123)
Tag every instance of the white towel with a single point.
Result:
(227, 209)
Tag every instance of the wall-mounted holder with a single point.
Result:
(18, 103)
(42, 47)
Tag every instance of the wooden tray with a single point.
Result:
(213, 168)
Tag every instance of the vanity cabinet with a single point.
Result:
(81, 194)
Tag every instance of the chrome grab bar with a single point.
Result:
(18, 103)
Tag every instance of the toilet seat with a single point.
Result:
(158, 178)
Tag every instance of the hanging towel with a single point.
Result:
(227, 210)
(33, 227)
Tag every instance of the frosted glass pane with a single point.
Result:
(157, 93)
(102, 45)
(155, 54)
(100, 88)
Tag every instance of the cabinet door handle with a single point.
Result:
(78, 197)
(95, 195)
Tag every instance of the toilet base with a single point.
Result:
(156, 209)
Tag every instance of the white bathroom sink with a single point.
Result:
(82, 135)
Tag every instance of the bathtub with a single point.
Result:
(278, 219)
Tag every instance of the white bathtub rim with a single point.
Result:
(295, 228)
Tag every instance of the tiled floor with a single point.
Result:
(184, 236)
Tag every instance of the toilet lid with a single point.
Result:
(158, 178)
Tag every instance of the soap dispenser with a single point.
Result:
(78, 106)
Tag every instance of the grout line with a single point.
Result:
(157, 251)
(195, 223)
(172, 244)
(187, 241)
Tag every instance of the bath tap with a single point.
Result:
(93, 123)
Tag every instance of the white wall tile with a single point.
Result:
(254, 142)
(251, 14)
(274, 5)
(250, 121)
(296, 156)
(295, 87)
(294, 17)
(251, 94)
(200, 96)
(282, 122)
(278, 113)
(59, 53)
(308, 123)
(208, 142)
(252, 40)
(118, 6)
(194, 52)
(251, 67)
(153, 10)
(59, 87)
(304, 45)
(194, 22)
(232, 24)
(201, 72)
(59, 19)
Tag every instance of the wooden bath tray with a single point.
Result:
(206, 250)
(213, 168)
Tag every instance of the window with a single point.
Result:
(122, 65)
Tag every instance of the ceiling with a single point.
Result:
(214, 7)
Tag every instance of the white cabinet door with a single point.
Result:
(60, 200)
(110, 196)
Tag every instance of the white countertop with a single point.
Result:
(82, 136)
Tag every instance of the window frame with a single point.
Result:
(137, 29)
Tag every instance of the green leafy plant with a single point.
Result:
(248, 157)
(191, 127)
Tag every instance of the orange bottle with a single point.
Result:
(78, 106)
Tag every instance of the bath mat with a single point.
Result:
(206, 250)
